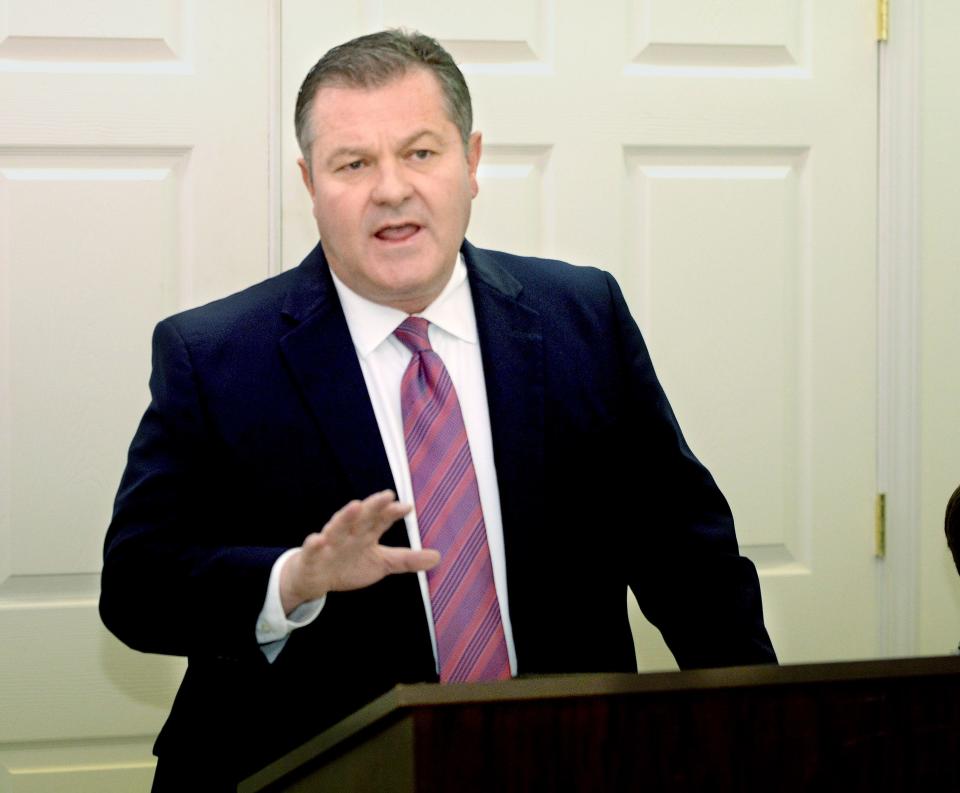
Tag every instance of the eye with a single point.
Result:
(422, 154)
(353, 165)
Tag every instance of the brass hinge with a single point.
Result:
(883, 20)
(880, 527)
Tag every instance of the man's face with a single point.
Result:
(391, 187)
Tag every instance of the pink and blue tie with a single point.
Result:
(466, 613)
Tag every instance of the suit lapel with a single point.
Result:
(318, 344)
(322, 360)
(512, 349)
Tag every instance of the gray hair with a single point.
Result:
(376, 59)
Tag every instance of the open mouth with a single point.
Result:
(400, 232)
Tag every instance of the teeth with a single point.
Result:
(397, 232)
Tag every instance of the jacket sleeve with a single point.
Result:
(173, 582)
(692, 582)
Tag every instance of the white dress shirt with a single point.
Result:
(383, 360)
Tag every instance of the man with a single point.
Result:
(256, 529)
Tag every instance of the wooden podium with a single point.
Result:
(860, 726)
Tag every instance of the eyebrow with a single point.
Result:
(359, 151)
(345, 152)
(423, 133)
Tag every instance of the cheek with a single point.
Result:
(335, 214)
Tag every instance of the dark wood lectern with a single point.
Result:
(860, 726)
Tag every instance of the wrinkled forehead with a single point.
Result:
(412, 76)
(347, 91)
(394, 109)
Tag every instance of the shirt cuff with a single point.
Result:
(274, 626)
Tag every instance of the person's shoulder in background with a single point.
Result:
(951, 525)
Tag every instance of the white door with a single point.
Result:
(718, 156)
(133, 182)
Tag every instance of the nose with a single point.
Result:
(392, 187)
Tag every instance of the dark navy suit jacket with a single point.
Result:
(260, 427)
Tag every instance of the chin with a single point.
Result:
(407, 297)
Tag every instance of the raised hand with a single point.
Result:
(347, 554)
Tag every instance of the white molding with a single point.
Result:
(898, 281)
(274, 142)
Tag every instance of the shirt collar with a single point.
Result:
(371, 323)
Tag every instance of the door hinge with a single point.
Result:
(880, 527)
(883, 20)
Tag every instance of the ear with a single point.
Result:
(474, 148)
(305, 175)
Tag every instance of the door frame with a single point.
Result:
(898, 329)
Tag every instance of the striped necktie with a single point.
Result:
(466, 613)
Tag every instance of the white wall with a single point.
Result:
(939, 618)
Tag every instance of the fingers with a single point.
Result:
(404, 560)
(347, 553)
(372, 516)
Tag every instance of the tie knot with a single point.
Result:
(413, 333)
